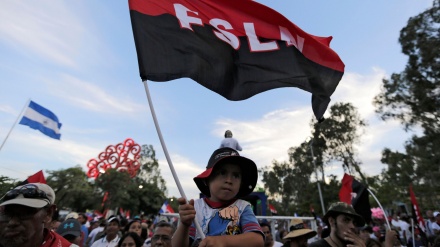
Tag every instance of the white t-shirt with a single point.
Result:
(277, 244)
(435, 226)
(403, 228)
(93, 233)
(104, 243)
(230, 142)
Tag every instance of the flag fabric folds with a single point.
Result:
(356, 194)
(234, 48)
(36, 178)
(166, 208)
(40, 118)
(417, 216)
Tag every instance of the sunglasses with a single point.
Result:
(28, 191)
(22, 215)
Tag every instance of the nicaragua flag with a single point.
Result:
(40, 118)
(166, 208)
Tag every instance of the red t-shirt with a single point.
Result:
(52, 239)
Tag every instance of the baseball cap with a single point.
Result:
(35, 195)
(222, 155)
(72, 215)
(436, 213)
(69, 227)
(113, 218)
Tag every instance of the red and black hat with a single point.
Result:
(249, 172)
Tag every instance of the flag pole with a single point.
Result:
(380, 205)
(412, 232)
(165, 150)
(15, 123)
(317, 180)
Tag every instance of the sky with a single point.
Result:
(78, 59)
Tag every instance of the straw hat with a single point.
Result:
(299, 230)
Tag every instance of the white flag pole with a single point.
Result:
(15, 123)
(165, 150)
(412, 232)
(380, 205)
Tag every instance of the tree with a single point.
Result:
(413, 98)
(334, 139)
(6, 184)
(72, 189)
(143, 193)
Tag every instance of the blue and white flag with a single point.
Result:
(40, 118)
(166, 208)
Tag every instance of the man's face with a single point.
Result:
(82, 220)
(343, 223)
(162, 237)
(437, 218)
(298, 242)
(112, 229)
(268, 235)
(22, 226)
(429, 214)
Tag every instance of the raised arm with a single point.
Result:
(187, 214)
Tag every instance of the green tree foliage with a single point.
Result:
(150, 171)
(334, 139)
(72, 189)
(413, 98)
(143, 193)
(6, 184)
(333, 142)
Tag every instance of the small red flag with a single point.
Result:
(416, 210)
(354, 193)
(272, 208)
(36, 178)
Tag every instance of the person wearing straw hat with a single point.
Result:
(342, 220)
(223, 218)
(298, 235)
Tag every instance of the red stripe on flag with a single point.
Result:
(37, 178)
(416, 210)
(267, 23)
(345, 194)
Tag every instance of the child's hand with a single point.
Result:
(186, 211)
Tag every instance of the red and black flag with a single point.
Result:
(356, 194)
(36, 178)
(417, 216)
(234, 48)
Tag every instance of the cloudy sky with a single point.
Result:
(78, 59)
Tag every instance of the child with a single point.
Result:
(224, 219)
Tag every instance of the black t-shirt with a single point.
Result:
(319, 243)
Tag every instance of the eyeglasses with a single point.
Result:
(165, 238)
(22, 215)
(28, 191)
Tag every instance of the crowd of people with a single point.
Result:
(28, 219)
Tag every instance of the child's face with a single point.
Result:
(224, 183)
